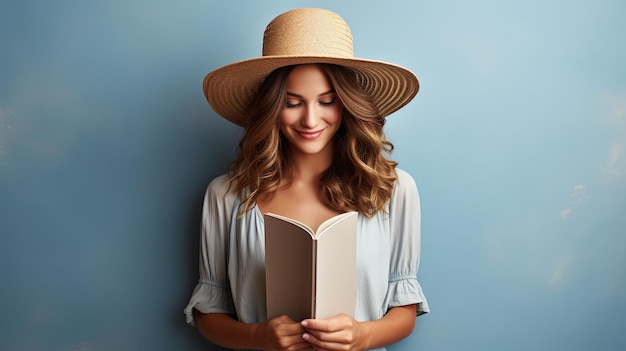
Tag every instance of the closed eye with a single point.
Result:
(329, 102)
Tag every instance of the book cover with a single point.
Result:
(310, 274)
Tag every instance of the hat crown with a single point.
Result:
(308, 32)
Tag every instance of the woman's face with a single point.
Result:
(312, 112)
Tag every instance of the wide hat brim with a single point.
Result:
(230, 89)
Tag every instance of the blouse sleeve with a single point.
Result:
(212, 294)
(404, 213)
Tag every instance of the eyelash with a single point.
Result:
(323, 103)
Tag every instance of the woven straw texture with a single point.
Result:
(304, 36)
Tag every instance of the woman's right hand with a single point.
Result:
(282, 334)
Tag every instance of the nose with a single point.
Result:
(310, 117)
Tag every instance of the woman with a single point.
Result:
(313, 147)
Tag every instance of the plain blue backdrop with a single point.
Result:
(517, 141)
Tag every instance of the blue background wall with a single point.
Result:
(517, 141)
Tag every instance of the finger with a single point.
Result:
(285, 333)
(322, 345)
(305, 346)
(340, 337)
(302, 345)
(290, 343)
(289, 329)
(322, 325)
(335, 331)
(286, 326)
(329, 325)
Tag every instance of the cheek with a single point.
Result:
(338, 115)
(284, 121)
(287, 117)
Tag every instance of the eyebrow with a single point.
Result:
(331, 91)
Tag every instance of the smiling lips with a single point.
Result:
(310, 135)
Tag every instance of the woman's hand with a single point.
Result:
(281, 333)
(345, 333)
(337, 333)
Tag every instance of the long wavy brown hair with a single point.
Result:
(361, 176)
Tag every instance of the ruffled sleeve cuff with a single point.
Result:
(406, 290)
(208, 297)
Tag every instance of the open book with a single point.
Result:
(310, 274)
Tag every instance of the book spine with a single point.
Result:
(314, 279)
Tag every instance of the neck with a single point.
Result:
(307, 166)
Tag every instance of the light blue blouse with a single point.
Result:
(232, 257)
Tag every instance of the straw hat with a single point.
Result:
(302, 36)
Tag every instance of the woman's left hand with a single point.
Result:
(341, 332)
